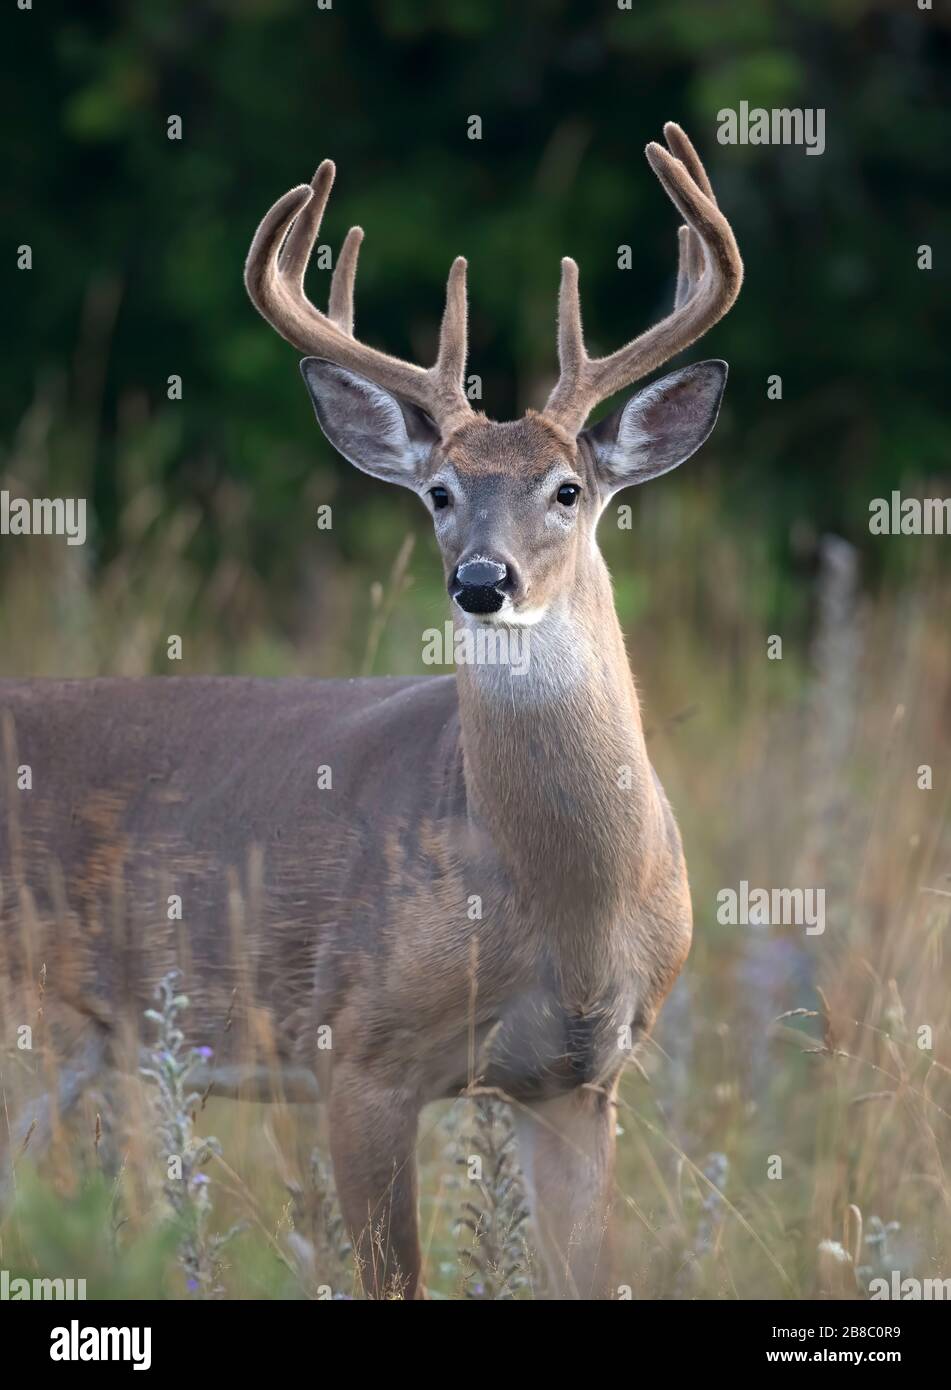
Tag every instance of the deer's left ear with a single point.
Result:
(658, 428)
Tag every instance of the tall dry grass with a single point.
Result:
(786, 1133)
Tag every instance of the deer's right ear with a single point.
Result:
(376, 431)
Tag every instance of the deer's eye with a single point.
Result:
(440, 497)
(568, 494)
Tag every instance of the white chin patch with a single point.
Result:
(510, 616)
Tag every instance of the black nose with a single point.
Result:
(481, 574)
(478, 586)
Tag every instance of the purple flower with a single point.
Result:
(205, 1052)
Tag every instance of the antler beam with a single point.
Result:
(274, 276)
(709, 277)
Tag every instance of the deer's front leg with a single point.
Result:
(567, 1149)
(373, 1145)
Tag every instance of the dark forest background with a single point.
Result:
(138, 241)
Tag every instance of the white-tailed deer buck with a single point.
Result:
(492, 890)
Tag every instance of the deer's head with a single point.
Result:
(514, 505)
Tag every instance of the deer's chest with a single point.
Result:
(542, 1046)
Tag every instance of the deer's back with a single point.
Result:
(164, 820)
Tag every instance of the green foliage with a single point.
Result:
(139, 240)
(81, 1237)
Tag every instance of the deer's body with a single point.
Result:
(488, 889)
(391, 873)
(390, 876)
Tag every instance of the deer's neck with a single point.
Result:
(555, 764)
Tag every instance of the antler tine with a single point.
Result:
(691, 261)
(295, 253)
(274, 276)
(681, 147)
(710, 273)
(571, 353)
(691, 248)
(340, 304)
(451, 360)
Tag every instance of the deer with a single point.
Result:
(528, 794)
